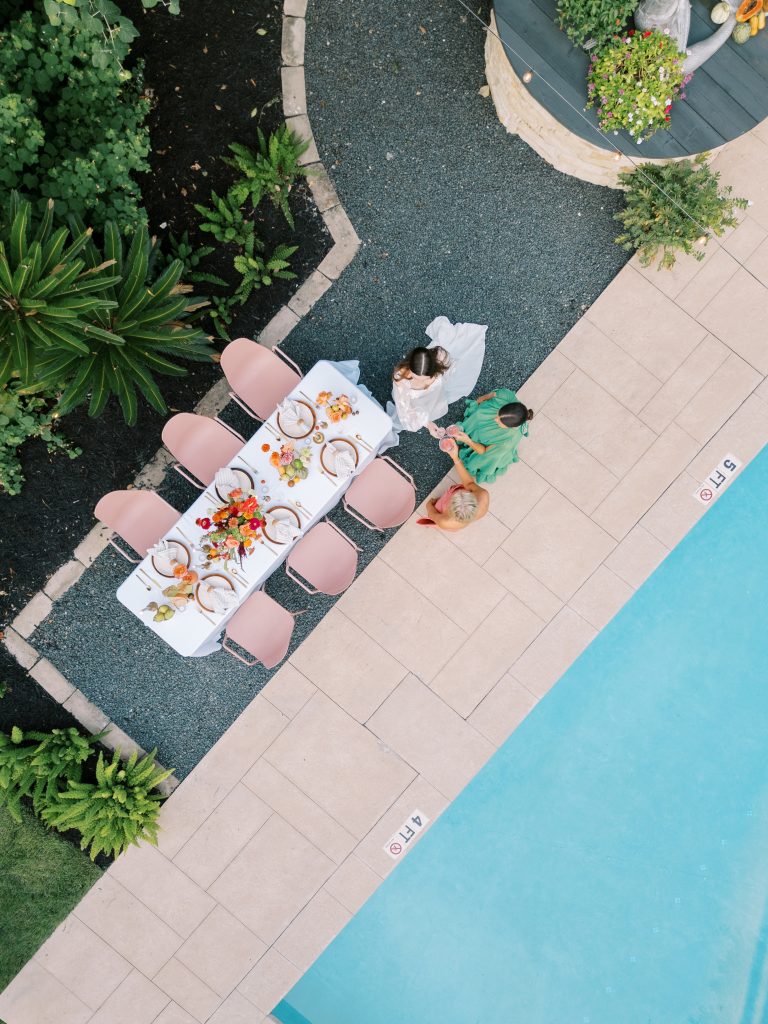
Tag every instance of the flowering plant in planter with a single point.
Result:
(633, 82)
(592, 23)
(232, 530)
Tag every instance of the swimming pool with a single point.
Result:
(609, 865)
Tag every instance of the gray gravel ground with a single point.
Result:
(456, 217)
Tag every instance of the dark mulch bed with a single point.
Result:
(214, 79)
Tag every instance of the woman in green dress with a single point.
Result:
(490, 432)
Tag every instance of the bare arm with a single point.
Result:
(476, 446)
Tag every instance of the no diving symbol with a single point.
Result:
(395, 849)
(705, 494)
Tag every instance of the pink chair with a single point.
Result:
(263, 628)
(258, 376)
(325, 558)
(384, 495)
(141, 518)
(201, 444)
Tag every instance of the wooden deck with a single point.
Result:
(727, 96)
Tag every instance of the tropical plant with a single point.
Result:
(190, 258)
(103, 19)
(38, 765)
(591, 23)
(633, 82)
(21, 418)
(225, 220)
(256, 271)
(671, 207)
(270, 170)
(118, 809)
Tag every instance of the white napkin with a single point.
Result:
(283, 530)
(227, 480)
(221, 599)
(167, 554)
(293, 414)
(343, 461)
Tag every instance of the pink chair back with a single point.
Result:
(257, 376)
(200, 444)
(326, 558)
(263, 628)
(141, 518)
(383, 494)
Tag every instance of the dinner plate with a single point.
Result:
(211, 579)
(305, 433)
(241, 474)
(163, 567)
(326, 457)
(289, 514)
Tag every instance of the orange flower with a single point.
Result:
(191, 576)
(274, 459)
(232, 521)
(179, 570)
(236, 494)
(247, 542)
(230, 542)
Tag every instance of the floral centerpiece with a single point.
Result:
(291, 463)
(231, 531)
(633, 82)
(338, 408)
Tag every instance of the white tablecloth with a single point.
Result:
(189, 632)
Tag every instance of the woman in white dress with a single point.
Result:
(430, 378)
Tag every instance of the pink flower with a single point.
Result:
(230, 542)
(285, 458)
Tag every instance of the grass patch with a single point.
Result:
(42, 877)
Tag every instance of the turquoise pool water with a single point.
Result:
(610, 863)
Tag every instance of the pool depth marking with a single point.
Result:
(397, 844)
(718, 479)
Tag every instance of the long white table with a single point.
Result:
(190, 632)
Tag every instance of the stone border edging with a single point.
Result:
(345, 245)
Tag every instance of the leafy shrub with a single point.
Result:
(38, 765)
(271, 170)
(71, 119)
(103, 19)
(116, 810)
(22, 418)
(668, 207)
(256, 271)
(594, 21)
(190, 258)
(633, 82)
(225, 220)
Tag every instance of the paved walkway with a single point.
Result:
(426, 665)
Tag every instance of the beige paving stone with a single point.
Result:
(601, 597)
(335, 262)
(83, 962)
(600, 424)
(719, 398)
(313, 289)
(553, 651)
(295, 8)
(34, 996)
(294, 91)
(323, 191)
(635, 558)
(645, 323)
(125, 923)
(271, 979)
(545, 380)
(502, 710)
(94, 542)
(186, 989)
(515, 493)
(292, 47)
(755, 263)
(33, 613)
(673, 515)
(117, 739)
(745, 433)
(483, 539)
(682, 386)
(221, 951)
(281, 324)
(352, 883)
(310, 932)
(340, 227)
(339, 764)
(420, 796)
(174, 1014)
(397, 616)
(347, 665)
(88, 715)
(743, 242)
(609, 365)
(523, 585)
(222, 836)
(430, 736)
(738, 316)
(136, 1001)
(441, 566)
(63, 579)
(673, 282)
(24, 653)
(269, 881)
(740, 164)
(300, 811)
(713, 275)
(163, 887)
(646, 481)
(300, 126)
(51, 680)
(487, 655)
(762, 391)
(236, 1009)
(567, 466)
(559, 545)
(219, 771)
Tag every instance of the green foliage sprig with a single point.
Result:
(225, 220)
(21, 418)
(257, 271)
(593, 22)
(190, 258)
(270, 170)
(668, 205)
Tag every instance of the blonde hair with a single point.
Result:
(463, 506)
